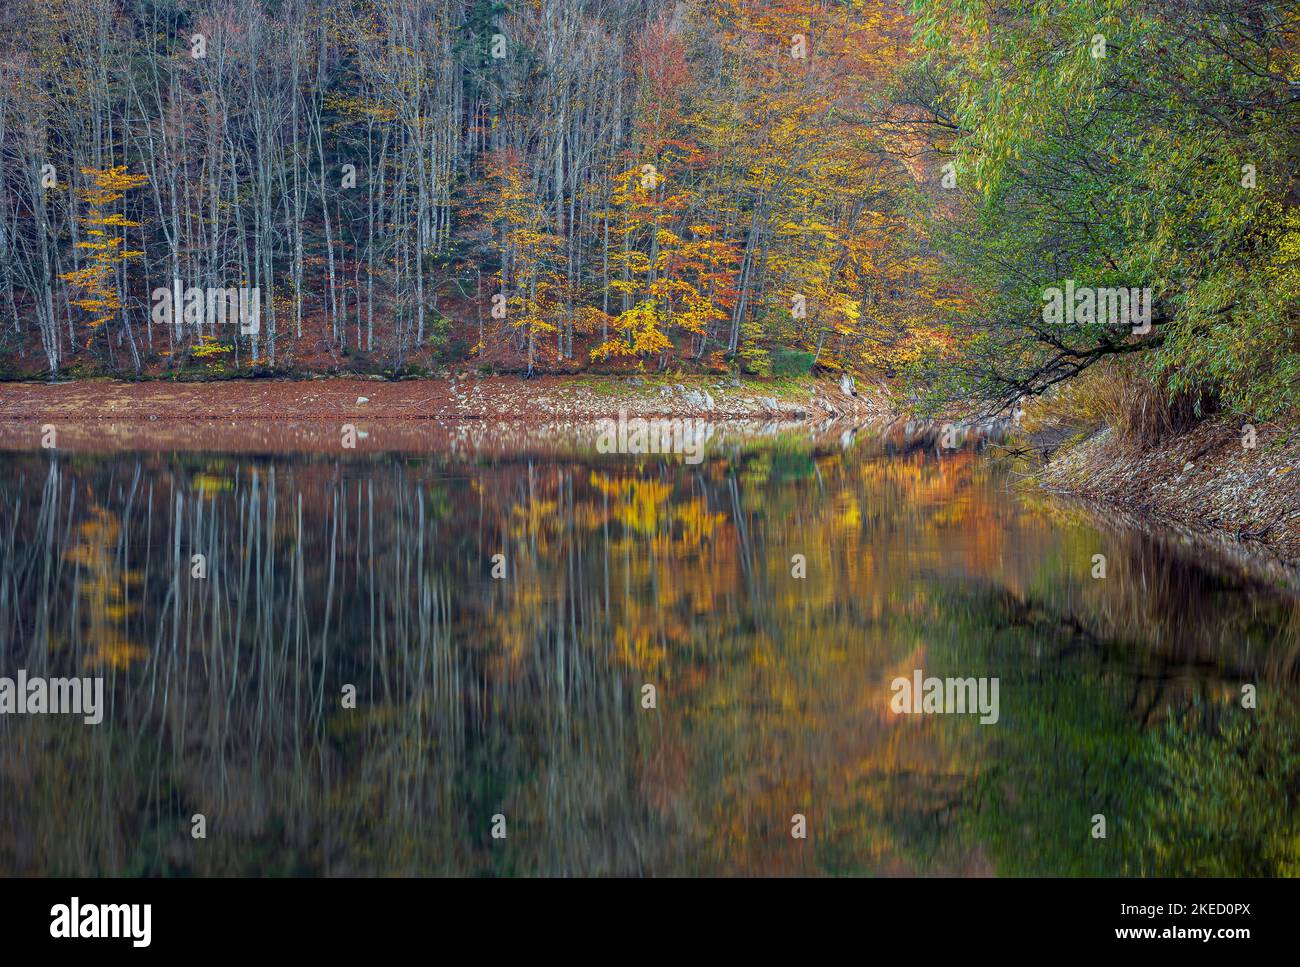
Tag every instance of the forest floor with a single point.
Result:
(1203, 480)
(273, 415)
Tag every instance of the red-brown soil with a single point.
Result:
(275, 415)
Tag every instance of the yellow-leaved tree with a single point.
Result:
(529, 281)
(97, 279)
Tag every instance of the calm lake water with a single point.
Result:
(521, 696)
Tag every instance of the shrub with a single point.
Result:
(791, 362)
(1139, 410)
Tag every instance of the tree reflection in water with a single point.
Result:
(521, 696)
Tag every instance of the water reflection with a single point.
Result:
(521, 696)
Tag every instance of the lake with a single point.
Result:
(437, 663)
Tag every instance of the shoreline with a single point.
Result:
(466, 410)
(1202, 481)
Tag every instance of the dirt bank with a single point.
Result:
(273, 415)
(1205, 480)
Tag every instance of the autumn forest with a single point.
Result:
(755, 186)
(950, 521)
